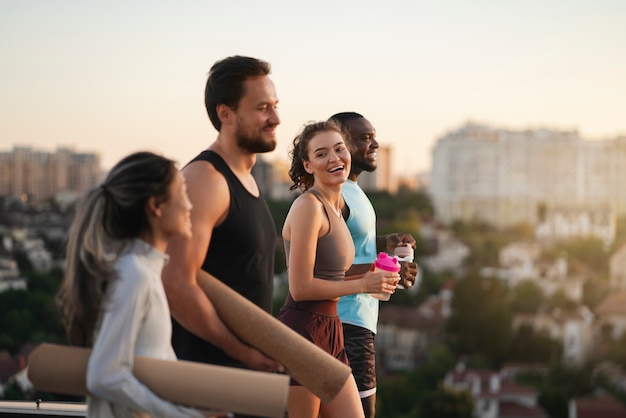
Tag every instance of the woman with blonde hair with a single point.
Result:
(111, 297)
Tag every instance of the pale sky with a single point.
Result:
(119, 76)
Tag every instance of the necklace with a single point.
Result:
(336, 209)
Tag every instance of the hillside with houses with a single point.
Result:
(504, 323)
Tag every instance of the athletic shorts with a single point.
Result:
(318, 322)
(359, 344)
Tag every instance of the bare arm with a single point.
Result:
(209, 194)
(387, 243)
(305, 223)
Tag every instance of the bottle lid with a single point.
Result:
(386, 262)
(403, 251)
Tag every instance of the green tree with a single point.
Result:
(588, 253)
(617, 351)
(484, 241)
(27, 316)
(447, 403)
(529, 346)
(394, 206)
(560, 300)
(400, 395)
(481, 319)
(526, 297)
(559, 385)
(439, 362)
(594, 291)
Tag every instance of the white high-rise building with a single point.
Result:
(505, 177)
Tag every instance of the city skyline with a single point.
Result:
(114, 78)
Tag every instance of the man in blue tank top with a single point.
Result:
(234, 235)
(359, 313)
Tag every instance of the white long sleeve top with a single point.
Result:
(134, 320)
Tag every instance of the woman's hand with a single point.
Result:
(380, 282)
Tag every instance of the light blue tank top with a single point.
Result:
(361, 309)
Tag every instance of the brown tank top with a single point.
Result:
(335, 250)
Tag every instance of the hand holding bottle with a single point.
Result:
(385, 263)
(408, 270)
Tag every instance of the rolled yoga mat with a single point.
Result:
(62, 369)
(314, 368)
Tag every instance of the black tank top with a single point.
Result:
(241, 255)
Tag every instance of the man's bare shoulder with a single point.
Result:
(203, 173)
(207, 188)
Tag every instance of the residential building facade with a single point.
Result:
(42, 174)
(506, 177)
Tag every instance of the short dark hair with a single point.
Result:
(343, 118)
(225, 83)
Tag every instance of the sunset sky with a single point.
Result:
(119, 76)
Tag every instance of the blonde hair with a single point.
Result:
(107, 217)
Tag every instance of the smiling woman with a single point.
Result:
(319, 250)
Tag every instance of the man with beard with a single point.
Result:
(233, 231)
(359, 312)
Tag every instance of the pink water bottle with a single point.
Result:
(385, 262)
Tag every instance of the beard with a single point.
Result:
(254, 142)
(363, 165)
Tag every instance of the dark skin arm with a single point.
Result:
(386, 243)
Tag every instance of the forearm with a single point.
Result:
(356, 271)
(320, 289)
(193, 309)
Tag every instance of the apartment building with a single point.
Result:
(41, 174)
(507, 177)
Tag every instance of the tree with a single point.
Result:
(526, 297)
(591, 252)
(447, 403)
(562, 384)
(529, 346)
(559, 385)
(560, 300)
(27, 316)
(481, 319)
(617, 351)
(400, 395)
(594, 291)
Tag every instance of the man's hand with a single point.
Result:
(392, 241)
(259, 361)
(408, 274)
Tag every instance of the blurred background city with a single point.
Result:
(503, 151)
(522, 300)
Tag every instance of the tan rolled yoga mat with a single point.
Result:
(62, 369)
(314, 368)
